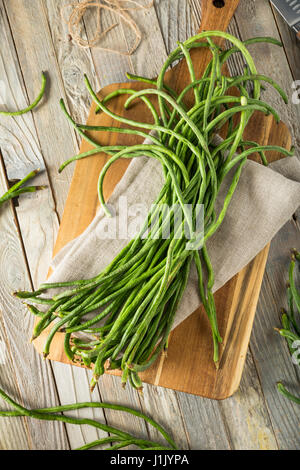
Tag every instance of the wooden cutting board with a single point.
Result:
(189, 366)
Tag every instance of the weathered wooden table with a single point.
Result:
(33, 37)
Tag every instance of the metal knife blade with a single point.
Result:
(290, 11)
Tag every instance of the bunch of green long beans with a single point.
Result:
(139, 291)
(290, 322)
(118, 439)
(19, 188)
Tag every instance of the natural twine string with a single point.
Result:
(74, 21)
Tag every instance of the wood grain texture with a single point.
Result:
(112, 392)
(290, 43)
(272, 359)
(39, 227)
(78, 104)
(31, 33)
(254, 18)
(72, 62)
(9, 428)
(72, 384)
(175, 21)
(240, 421)
(218, 434)
(23, 373)
(246, 415)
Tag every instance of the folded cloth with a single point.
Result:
(265, 198)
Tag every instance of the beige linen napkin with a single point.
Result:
(266, 197)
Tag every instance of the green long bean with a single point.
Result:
(32, 105)
(50, 414)
(19, 188)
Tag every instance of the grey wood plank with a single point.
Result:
(204, 423)
(78, 106)
(175, 21)
(270, 351)
(195, 6)
(148, 59)
(113, 392)
(72, 61)
(34, 46)
(141, 62)
(80, 61)
(256, 430)
(23, 373)
(39, 223)
(14, 433)
(73, 387)
(21, 151)
(246, 416)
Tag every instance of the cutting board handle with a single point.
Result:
(216, 14)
